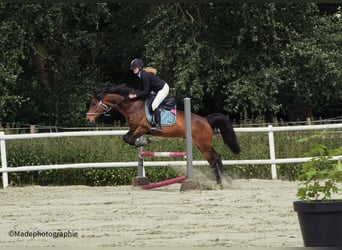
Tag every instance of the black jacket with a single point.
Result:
(148, 83)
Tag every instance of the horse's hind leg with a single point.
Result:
(202, 140)
(219, 165)
(216, 165)
(213, 158)
(218, 168)
(218, 161)
(202, 136)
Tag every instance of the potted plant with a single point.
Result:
(319, 213)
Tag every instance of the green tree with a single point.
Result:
(311, 70)
(241, 57)
(59, 53)
(12, 52)
(249, 60)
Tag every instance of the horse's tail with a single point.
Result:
(222, 122)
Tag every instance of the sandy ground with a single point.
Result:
(250, 213)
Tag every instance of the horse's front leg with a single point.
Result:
(128, 138)
(140, 131)
(133, 137)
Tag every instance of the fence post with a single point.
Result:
(188, 137)
(189, 183)
(272, 152)
(3, 160)
(141, 169)
(140, 179)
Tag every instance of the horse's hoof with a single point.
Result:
(140, 143)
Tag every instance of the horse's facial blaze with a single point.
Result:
(93, 112)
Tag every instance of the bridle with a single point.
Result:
(105, 108)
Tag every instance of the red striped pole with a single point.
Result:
(164, 183)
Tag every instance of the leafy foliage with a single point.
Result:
(250, 60)
(320, 175)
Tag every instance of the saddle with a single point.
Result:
(168, 110)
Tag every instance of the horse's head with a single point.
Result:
(106, 99)
(97, 107)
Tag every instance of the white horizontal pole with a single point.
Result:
(63, 134)
(290, 128)
(157, 163)
(77, 165)
(123, 132)
(162, 154)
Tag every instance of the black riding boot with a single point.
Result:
(156, 126)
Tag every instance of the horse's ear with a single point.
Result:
(96, 94)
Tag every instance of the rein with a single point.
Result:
(105, 108)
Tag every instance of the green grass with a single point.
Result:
(112, 149)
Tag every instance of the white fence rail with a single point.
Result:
(270, 130)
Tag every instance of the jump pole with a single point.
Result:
(188, 137)
(164, 183)
(189, 183)
(140, 180)
(162, 154)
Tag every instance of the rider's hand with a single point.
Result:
(131, 96)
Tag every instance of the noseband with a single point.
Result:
(105, 108)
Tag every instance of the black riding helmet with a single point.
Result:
(137, 63)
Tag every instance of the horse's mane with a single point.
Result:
(121, 89)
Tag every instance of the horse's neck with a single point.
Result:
(128, 108)
(133, 107)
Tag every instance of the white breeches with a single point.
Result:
(161, 95)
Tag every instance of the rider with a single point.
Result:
(149, 83)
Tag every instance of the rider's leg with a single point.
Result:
(161, 95)
(157, 120)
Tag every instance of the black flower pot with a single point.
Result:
(320, 222)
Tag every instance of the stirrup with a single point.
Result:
(156, 127)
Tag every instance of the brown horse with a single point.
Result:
(133, 110)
